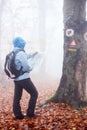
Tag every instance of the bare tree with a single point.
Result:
(42, 24)
(42, 31)
(1, 11)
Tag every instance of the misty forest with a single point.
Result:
(57, 30)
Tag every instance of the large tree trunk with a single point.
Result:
(73, 84)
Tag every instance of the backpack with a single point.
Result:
(10, 67)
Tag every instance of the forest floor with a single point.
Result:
(52, 116)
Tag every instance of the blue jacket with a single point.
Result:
(21, 59)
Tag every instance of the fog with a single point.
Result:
(40, 23)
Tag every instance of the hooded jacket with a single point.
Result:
(21, 58)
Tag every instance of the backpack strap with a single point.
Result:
(21, 72)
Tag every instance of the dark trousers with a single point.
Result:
(30, 88)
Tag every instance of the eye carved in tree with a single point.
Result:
(69, 32)
(85, 36)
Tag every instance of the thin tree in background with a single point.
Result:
(42, 32)
(1, 11)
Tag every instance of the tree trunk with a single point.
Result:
(42, 33)
(1, 11)
(72, 88)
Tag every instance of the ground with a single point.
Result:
(51, 116)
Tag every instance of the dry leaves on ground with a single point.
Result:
(51, 116)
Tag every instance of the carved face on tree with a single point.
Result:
(75, 35)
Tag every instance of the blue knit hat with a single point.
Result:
(19, 42)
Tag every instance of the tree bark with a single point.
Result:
(72, 88)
